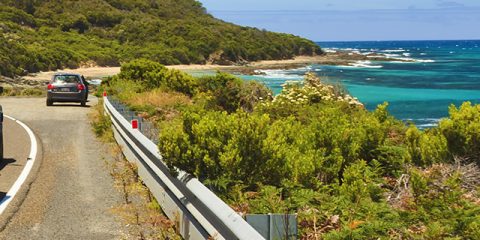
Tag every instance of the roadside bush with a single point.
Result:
(154, 75)
(101, 123)
(426, 148)
(213, 145)
(347, 172)
(462, 131)
(230, 93)
(439, 208)
(216, 145)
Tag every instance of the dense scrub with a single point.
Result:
(46, 34)
(314, 150)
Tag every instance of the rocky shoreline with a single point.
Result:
(22, 87)
(339, 58)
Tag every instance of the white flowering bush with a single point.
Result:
(311, 90)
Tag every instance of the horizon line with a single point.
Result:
(476, 8)
(386, 40)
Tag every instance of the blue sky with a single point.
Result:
(331, 20)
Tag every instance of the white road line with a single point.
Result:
(26, 170)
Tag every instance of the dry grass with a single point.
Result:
(101, 123)
(158, 105)
(469, 176)
(161, 99)
(140, 212)
(9, 91)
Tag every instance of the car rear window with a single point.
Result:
(66, 79)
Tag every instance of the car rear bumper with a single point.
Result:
(66, 96)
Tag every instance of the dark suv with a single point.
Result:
(67, 87)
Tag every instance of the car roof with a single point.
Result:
(66, 73)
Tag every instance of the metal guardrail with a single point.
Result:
(198, 212)
(145, 127)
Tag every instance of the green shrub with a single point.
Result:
(426, 148)
(347, 172)
(153, 75)
(231, 93)
(462, 131)
(439, 205)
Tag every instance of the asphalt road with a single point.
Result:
(69, 194)
(16, 151)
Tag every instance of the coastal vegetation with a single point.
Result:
(313, 150)
(38, 35)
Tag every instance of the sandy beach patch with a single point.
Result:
(338, 58)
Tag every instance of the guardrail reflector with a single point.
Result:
(104, 93)
(134, 124)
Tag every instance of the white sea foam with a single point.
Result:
(413, 60)
(363, 64)
(405, 58)
(424, 119)
(427, 125)
(393, 50)
(350, 49)
(277, 74)
(424, 60)
(388, 55)
(428, 122)
(368, 53)
(329, 50)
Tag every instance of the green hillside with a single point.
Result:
(40, 35)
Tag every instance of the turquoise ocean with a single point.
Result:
(441, 73)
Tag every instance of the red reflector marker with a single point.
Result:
(104, 93)
(134, 124)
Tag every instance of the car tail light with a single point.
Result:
(80, 87)
(50, 87)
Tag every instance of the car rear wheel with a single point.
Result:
(49, 102)
(83, 103)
